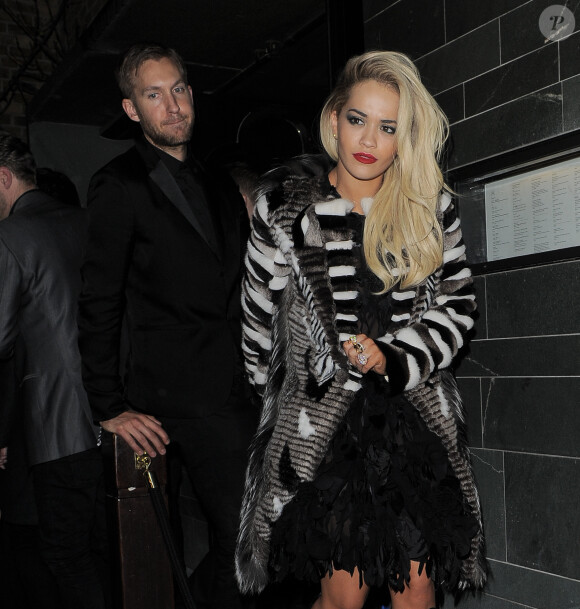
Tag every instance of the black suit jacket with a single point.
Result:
(41, 248)
(148, 264)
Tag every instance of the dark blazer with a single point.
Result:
(41, 248)
(149, 264)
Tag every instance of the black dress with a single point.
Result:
(385, 493)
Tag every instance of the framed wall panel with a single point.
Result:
(521, 208)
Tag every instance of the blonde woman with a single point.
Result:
(356, 302)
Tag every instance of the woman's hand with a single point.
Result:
(364, 355)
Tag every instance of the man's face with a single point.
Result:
(162, 103)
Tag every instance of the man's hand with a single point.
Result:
(3, 457)
(142, 432)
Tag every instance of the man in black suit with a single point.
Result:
(165, 252)
(41, 246)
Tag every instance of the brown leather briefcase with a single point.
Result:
(144, 567)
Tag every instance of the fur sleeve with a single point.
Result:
(265, 277)
(428, 337)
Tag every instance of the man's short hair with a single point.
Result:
(15, 155)
(134, 58)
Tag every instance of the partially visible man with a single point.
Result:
(41, 246)
(165, 252)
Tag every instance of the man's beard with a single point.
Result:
(163, 139)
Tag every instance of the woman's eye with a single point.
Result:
(354, 120)
(389, 129)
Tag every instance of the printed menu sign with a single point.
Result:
(533, 212)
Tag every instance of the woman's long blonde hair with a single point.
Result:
(403, 240)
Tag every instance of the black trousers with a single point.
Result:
(26, 581)
(214, 452)
(73, 539)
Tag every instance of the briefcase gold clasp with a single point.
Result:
(142, 461)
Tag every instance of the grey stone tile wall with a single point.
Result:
(406, 26)
(541, 499)
(453, 100)
(570, 103)
(503, 87)
(525, 120)
(532, 72)
(537, 415)
(480, 329)
(462, 16)
(489, 66)
(570, 56)
(520, 31)
(514, 587)
(489, 469)
(539, 301)
(520, 381)
(479, 50)
(550, 356)
(470, 389)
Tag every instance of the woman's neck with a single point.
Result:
(348, 187)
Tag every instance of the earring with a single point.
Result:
(334, 136)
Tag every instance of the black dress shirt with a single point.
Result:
(186, 175)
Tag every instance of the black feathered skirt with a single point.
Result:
(384, 495)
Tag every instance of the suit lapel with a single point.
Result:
(217, 209)
(165, 181)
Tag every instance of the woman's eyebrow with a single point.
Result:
(364, 115)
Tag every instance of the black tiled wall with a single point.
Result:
(489, 66)
(504, 87)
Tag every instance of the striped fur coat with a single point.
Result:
(299, 305)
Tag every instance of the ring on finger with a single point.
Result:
(359, 347)
(354, 340)
(362, 359)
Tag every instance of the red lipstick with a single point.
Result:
(363, 157)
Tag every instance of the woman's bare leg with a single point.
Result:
(341, 591)
(419, 594)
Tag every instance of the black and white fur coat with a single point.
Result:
(299, 301)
